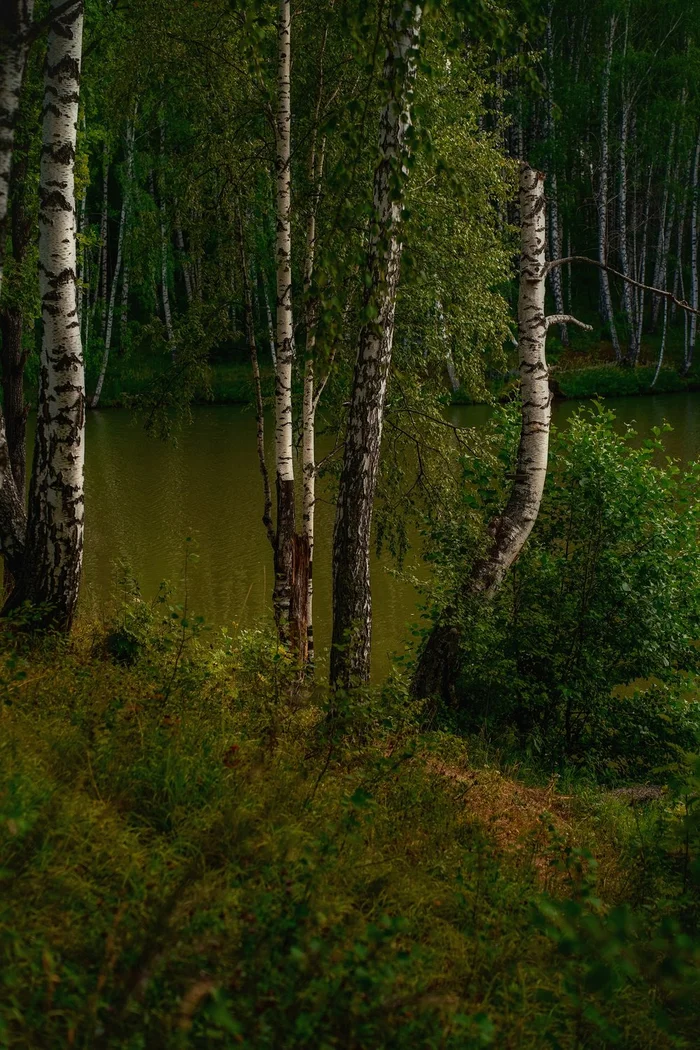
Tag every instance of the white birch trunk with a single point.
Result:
(186, 270)
(642, 263)
(680, 233)
(664, 239)
(438, 666)
(663, 345)
(164, 290)
(104, 233)
(53, 561)
(628, 297)
(284, 448)
(556, 279)
(117, 267)
(270, 322)
(352, 600)
(605, 296)
(693, 257)
(14, 48)
(124, 318)
(310, 398)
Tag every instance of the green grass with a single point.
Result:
(192, 855)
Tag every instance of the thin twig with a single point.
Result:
(616, 273)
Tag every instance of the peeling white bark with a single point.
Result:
(53, 561)
(438, 665)
(284, 448)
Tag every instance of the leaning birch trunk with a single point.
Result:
(284, 451)
(51, 571)
(118, 265)
(688, 357)
(605, 296)
(352, 600)
(438, 664)
(14, 48)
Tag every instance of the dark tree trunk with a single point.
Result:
(352, 600)
(14, 405)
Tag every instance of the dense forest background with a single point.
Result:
(351, 216)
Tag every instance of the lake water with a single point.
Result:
(144, 498)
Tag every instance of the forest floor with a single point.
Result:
(193, 853)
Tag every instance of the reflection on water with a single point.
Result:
(143, 498)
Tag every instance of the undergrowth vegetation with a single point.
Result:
(196, 850)
(587, 655)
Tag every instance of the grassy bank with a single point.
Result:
(192, 855)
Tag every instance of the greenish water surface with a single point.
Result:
(144, 498)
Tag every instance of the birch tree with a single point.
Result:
(603, 203)
(123, 218)
(438, 664)
(51, 569)
(352, 601)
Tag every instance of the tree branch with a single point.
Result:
(616, 273)
(566, 319)
(37, 28)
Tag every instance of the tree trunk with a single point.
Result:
(104, 234)
(352, 602)
(680, 233)
(556, 278)
(124, 317)
(311, 396)
(438, 665)
(186, 271)
(164, 290)
(664, 238)
(15, 21)
(51, 570)
(605, 296)
(688, 361)
(14, 356)
(284, 451)
(642, 263)
(270, 322)
(627, 292)
(259, 408)
(118, 265)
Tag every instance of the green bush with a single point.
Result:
(585, 652)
